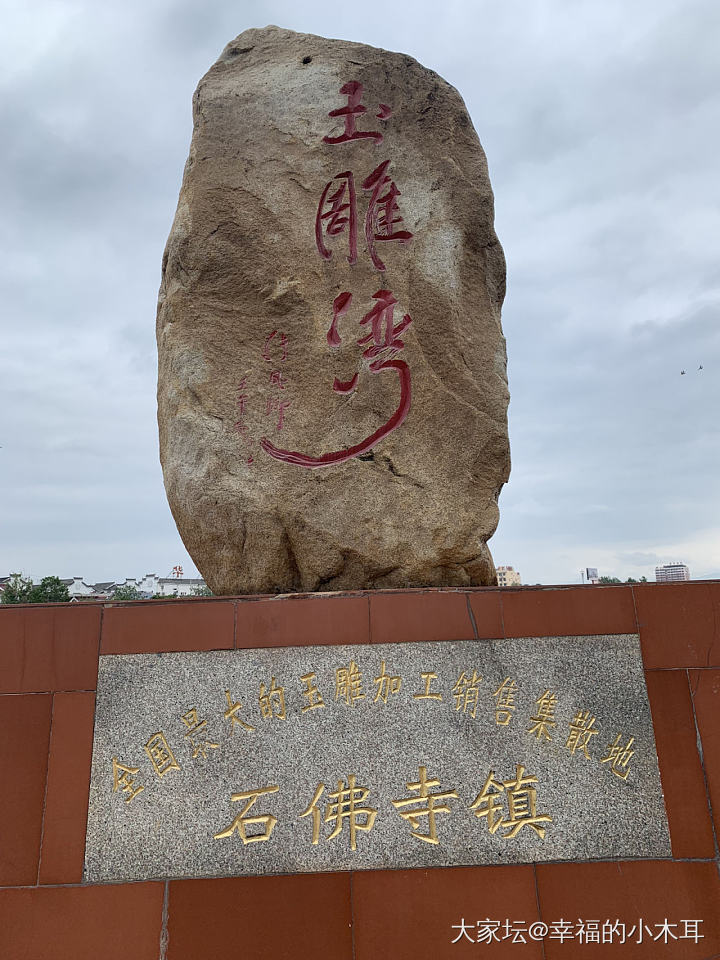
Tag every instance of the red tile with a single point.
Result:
(403, 617)
(300, 621)
(25, 725)
(155, 627)
(49, 648)
(283, 918)
(677, 625)
(714, 588)
(680, 767)
(411, 914)
(705, 686)
(66, 803)
(568, 611)
(113, 922)
(651, 889)
(487, 610)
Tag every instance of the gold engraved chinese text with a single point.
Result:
(272, 701)
(581, 730)
(231, 714)
(521, 800)
(161, 756)
(430, 808)
(311, 693)
(488, 803)
(619, 757)
(466, 692)
(428, 678)
(313, 810)
(505, 702)
(545, 715)
(195, 731)
(348, 684)
(344, 807)
(124, 779)
(242, 821)
(386, 685)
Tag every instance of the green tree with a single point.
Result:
(17, 589)
(126, 592)
(50, 590)
(609, 580)
(20, 589)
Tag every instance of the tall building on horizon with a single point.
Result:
(508, 577)
(672, 573)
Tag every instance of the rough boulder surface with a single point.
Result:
(332, 394)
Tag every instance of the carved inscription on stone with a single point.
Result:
(334, 758)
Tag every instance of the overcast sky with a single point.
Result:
(601, 124)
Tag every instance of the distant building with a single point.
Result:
(180, 586)
(104, 589)
(507, 577)
(148, 585)
(79, 590)
(175, 585)
(672, 573)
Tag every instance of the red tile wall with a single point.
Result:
(48, 674)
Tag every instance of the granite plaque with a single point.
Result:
(306, 759)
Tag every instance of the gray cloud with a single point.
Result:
(600, 122)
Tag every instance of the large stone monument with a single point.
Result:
(332, 389)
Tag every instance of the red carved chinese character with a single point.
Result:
(345, 386)
(340, 306)
(383, 343)
(283, 346)
(354, 108)
(241, 397)
(336, 217)
(381, 313)
(278, 380)
(382, 213)
(273, 403)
